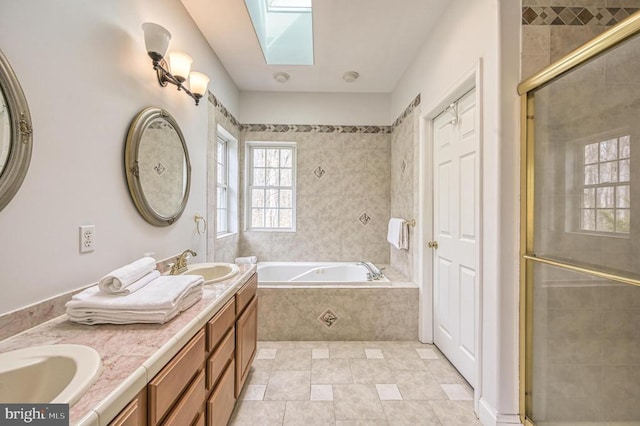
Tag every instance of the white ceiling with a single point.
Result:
(377, 38)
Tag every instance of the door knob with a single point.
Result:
(433, 244)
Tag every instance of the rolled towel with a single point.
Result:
(116, 281)
(248, 260)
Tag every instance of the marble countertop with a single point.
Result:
(131, 354)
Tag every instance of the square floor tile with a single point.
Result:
(370, 371)
(321, 393)
(374, 353)
(331, 371)
(455, 413)
(320, 353)
(388, 392)
(457, 392)
(403, 413)
(309, 413)
(254, 392)
(289, 386)
(252, 413)
(357, 402)
(425, 353)
(266, 354)
(293, 360)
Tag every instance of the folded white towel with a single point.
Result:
(110, 316)
(160, 294)
(118, 280)
(248, 260)
(398, 233)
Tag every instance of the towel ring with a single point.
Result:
(199, 219)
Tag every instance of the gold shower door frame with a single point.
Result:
(528, 258)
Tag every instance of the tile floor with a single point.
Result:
(353, 383)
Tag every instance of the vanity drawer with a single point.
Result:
(186, 410)
(246, 293)
(220, 359)
(220, 324)
(169, 383)
(220, 405)
(134, 414)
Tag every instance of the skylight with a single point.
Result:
(284, 30)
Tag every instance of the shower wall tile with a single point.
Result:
(355, 179)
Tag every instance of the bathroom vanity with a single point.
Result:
(200, 385)
(187, 371)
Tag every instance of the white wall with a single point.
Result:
(315, 108)
(465, 33)
(85, 73)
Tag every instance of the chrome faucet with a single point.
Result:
(181, 262)
(372, 274)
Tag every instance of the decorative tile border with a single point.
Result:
(561, 15)
(224, 111)
(406, 112)
(313, 128)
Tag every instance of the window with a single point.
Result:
(222, 197)
(226, 176)
(606, 189)
(271, 186)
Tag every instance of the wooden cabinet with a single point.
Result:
(200, 385)
(134, 414)
(246, 331)
(167, 387)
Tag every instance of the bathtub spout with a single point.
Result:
(372, 274)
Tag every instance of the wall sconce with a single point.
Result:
(156, 40)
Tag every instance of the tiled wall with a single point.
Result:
(553, 28)
(343, 176)
(404, 182)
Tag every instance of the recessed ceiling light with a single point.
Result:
(350, 76)
(281, 77)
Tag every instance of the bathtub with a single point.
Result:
(334, 301)
(315, 273)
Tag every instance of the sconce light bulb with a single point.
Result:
(180, 65)
(156, 40)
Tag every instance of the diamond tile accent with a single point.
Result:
(319, 172)
(561, 15)
(160, 168)
(364, 218)
(403, 166)
(328, 318)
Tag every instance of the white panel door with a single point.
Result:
(456, 214)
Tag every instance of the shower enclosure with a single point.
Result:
(580, 237)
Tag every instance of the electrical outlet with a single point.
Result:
(87, 238)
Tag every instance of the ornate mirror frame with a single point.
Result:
(132, 146)
(19, 157)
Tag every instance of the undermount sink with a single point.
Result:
(48, 374)
(212, 272)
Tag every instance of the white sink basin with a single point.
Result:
(48, 374)
(212, 272)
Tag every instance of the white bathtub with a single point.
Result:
(315, 273)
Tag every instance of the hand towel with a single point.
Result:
(248, 260)
(398, 233)
(118, 280)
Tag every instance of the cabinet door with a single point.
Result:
(246, 342)
(134, 414)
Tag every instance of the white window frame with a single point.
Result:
(230, 184)
(583, 186)
(222, 185)
(249, 153)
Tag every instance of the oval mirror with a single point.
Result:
(157, 166)
(15, 133)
